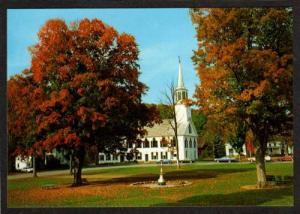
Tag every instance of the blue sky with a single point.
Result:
(161, 34)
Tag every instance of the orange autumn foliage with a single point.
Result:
(244, 60)
(236, 64)
(23, 98)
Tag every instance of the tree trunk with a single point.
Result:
(78, 163)
(34, 174)
(260, 167)
(177, 152)
(71, 164)
(97, 157)
(286, 148)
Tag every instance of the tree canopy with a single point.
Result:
(244, 60)
(88, 75)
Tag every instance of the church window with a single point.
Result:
(153, 143)
(139, 156)
(163, 142)
(154, 155)
(186, 143)
(183, 95)
(179, 96)
(138, 145)
(191, 146)
(190, 129)
(146, 143)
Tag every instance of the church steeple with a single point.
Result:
(180, 91)
(180, 83)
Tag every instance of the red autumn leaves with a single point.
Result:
(82, 88)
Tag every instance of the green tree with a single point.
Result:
(238, 138)
(219, 147)
(199, 120)
(245, 62)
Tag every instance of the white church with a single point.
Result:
(159, 142)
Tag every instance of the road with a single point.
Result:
(66, 171)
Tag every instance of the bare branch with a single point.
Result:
(171, 102)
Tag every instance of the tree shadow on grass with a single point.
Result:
(242, 198)
(173, 175)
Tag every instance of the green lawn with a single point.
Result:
(212, 185)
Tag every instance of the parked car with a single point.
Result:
(267, 158)
(165, 161)
(286, 158)
(252, 159)
(226, 159)
(28, 169)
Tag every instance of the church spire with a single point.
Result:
(181, 92)
(180, 83)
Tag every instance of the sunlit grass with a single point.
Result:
(213, 185)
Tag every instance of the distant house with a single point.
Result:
(23, 162)
(273, 148)
(159, 143)
(51, 159)
(231, 151)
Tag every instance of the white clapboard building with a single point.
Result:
(274, 148)
(159, 142)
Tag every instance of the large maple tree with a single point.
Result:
(89, 76)
(244, 61)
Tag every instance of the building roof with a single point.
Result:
(165, 129)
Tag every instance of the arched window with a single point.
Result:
(179, 96)
(153, 143)
(163, 142)
(186, 143)
(190, 129)
(138, 145)
(191, 146)
(146, 143)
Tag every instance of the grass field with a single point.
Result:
(212, 185)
